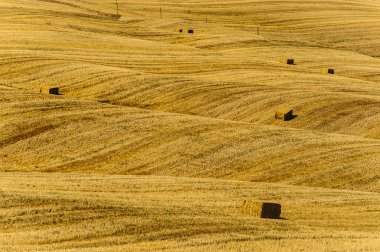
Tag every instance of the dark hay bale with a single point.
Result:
(284, 114)
(261, 209)
(54, 91)
(328, 71)
(287, 61)
(48, 90)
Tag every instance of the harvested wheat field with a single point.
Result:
(120, 133)
(132, 213)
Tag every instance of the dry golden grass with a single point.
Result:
(140, 61)
(58, 134)
(133, 213)
(142, 99)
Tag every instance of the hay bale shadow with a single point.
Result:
(265, 210)
(291, 117)
(285, 114)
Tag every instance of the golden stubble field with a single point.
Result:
(160, 135)
(133, 213)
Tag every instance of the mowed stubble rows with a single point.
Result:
(142, 99)
(58, 134)
(221, 71)
(144, 213)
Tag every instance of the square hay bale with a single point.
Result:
(179, 30)
(284, 114)
(190, 31)
(328, 71)
(50, 90)
(261, 209)
(287, 61)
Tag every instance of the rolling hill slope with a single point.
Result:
(159, 136)
(142, 62)
(47, 133)
(139, 213)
